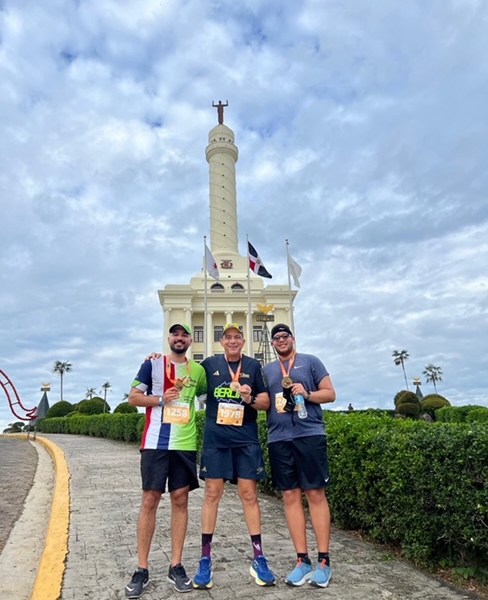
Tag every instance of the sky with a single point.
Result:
(362, 130)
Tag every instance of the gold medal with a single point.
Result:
(286, 382)
(235, 386)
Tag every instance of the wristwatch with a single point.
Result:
(160, 402)
(253, 400)
(308, 396)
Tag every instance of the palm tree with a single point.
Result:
(61, 368)
(399, 358)
(432, 374)
(105, 387)
(90, 392)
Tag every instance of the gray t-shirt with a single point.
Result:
(283, 426)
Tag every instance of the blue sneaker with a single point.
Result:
(300, 574)
(203, 576)
(261, 572)
(321, 576)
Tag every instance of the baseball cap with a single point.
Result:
(280, 327)
(183, 326)
(228, 326)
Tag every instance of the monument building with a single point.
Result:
(238, 295)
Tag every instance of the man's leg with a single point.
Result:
(320, 517)
(214, 489)
(249, 499)
(179, 523)
(146, 525)
(295, 519)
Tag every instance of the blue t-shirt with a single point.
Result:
(283, 426)
(218, 390)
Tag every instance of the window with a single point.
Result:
(218, 331)
(198, 357)
(257, 333)
(217, 287)
(237, 288)
(259, 356)
(198, 333)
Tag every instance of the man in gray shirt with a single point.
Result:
(298, 450)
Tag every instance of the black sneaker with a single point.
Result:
(139, 581)
(177, 575)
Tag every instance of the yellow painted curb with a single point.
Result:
(49, 578)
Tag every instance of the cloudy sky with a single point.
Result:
(362, 130)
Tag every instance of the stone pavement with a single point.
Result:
(105, 496)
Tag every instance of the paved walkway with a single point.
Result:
(105, 495)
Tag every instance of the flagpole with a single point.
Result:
(250, 343)
(205, 318)
(292, 319)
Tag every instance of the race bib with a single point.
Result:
(280, 402)
(176, 413)
(230, 414)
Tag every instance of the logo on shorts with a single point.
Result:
(216, 374)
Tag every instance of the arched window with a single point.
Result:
(237, 287)
(217, 287)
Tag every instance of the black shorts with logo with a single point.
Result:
(301, 463)
(176, 467)
(231, 464)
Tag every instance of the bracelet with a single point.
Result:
(253, 400)
(309, 396)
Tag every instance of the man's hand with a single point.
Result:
(153, 356)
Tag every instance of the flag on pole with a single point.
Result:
(212, 268)
(255, 262)
(294, 269)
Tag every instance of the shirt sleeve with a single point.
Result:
(144, 377)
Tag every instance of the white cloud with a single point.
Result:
(362, 139)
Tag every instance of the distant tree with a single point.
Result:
(399, 358)
(61, 368)
(15, 427)
(105, 388)
(432, 374)
(90, 392)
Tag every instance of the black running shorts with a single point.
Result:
(176, 467)
(301, 463)
(230, 464)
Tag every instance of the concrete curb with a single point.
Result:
(49, 578)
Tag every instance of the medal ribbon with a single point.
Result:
(235, 376)
(168, 369)
(291, 362)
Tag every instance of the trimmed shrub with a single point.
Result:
(94, 406)
(59, 409)
(477, 415)
(398, 395)
(125, 408)
(455, 414)
(433, 402)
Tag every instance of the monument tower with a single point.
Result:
(239, 296)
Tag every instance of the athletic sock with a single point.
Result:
(257, 546)
(207, 545)
(324, 556)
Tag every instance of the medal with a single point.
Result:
(235, 386)
(179, 384)
(286, 382)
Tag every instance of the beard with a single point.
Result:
(178, 349)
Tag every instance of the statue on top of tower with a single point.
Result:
(220, 110)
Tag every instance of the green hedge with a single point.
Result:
(422, 487)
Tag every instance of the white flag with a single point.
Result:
(212, 268)
(294, 269)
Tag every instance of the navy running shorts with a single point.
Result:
(177, 468)
(300, 463)
(230, 464)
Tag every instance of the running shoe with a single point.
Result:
(300, 574)
(203, 576)
(261, 572)
(177, 575)
(321, 576)
(139, 581)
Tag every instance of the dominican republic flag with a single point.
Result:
(211, 265)
(255, 263)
